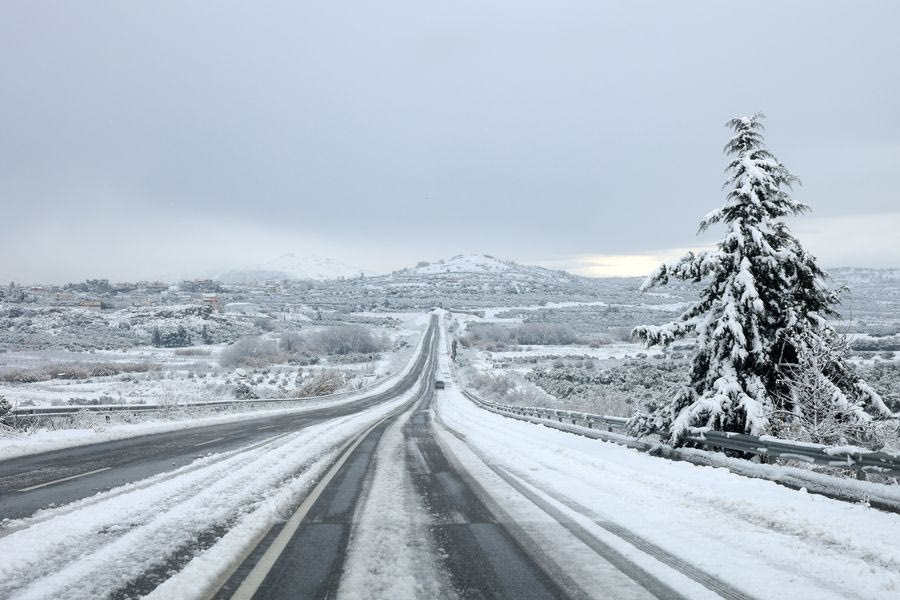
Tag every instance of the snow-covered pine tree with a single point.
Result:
(761, 315)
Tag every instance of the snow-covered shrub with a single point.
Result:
(877, 344)
(556, 334)
(23, 375)
(74, 371)
(171, 339)
(496, 337)
(242, 391)
(322, 383)
(251, 351)
(344, 340)
(193, 351)
(619, 390)
(291, 342)
(505, 388)
(265, 323)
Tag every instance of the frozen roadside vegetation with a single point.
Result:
(599, 370)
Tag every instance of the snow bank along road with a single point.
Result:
(418, 493)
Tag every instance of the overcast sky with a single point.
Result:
(147, 139)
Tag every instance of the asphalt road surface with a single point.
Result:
(480, 555)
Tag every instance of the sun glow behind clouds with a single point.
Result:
(868, 240)
(617, 265)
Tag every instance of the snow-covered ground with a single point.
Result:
(14, 444)
(182, 375)
(763, 539)
(615, 350)
(491, 314)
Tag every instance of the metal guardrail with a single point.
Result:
(862, 461)
(61, 411)
(31, 412)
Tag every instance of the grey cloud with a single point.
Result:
(535, 129)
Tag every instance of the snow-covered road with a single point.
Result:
(132, 538)
(701, 531)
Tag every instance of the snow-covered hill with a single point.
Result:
(480, 264)
(473, 263)
(293, 266)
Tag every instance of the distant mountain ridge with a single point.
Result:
(481, 264)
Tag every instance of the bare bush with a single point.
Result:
(74, 371)
(23, 376)
(503, 388)
(496, 337)
(344, 340)
(193, 352)
(819, 411)
(251, 351)
(242, 391)
(544, 333)
(321, 384)
(291, 342)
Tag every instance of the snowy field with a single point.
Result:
(197, 373)
(602, 371)
(93, 429)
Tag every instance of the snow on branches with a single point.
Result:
(761, 317)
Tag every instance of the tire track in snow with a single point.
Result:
(391, 555)
(201, 462)
(92, 551)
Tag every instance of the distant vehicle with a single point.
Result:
(438, 384)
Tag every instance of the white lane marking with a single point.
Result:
(257, 575)
(209, 442)
(422, 464)
(40, 485)
(137, 486)
(259, 572)
(267, 427)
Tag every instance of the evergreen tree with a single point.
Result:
(761, 316)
